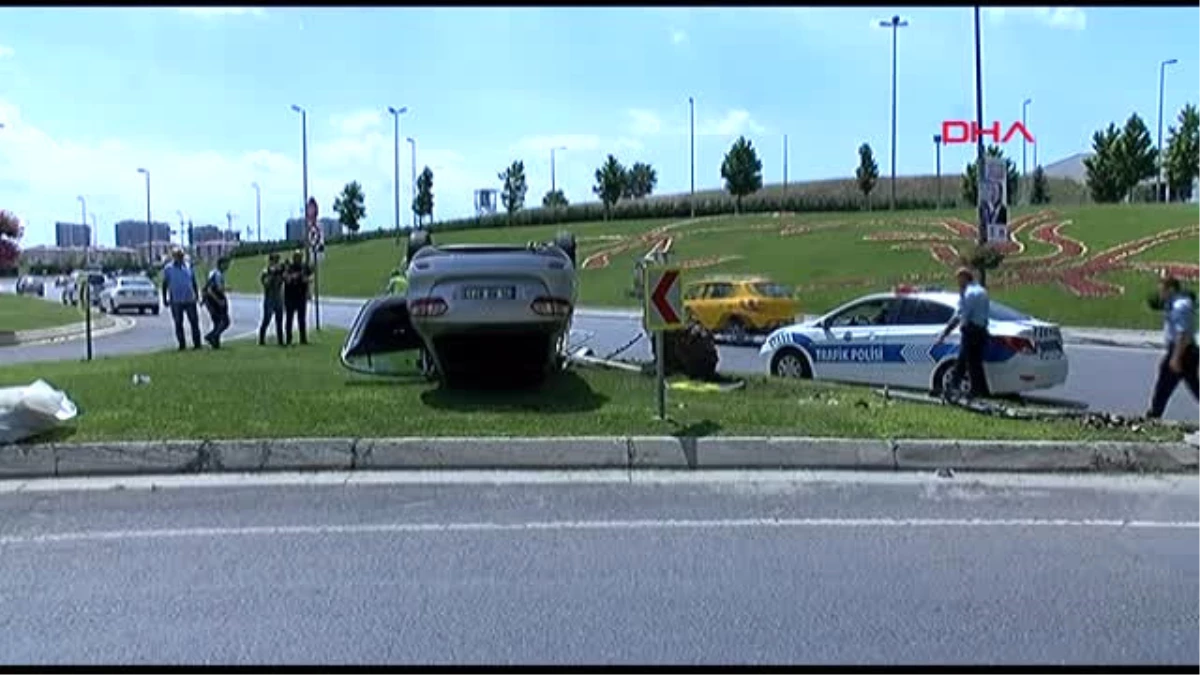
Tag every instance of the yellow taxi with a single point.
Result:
(739, 306)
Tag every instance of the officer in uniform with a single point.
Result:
(398, 282)
(974, 307)
(1181, 361)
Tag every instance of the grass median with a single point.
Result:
(248, 391)
(26, 312)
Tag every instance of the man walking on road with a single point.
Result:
(1182, 360)
(296, 278)
(217, 303)
(974, 307)
(179, 293)
(272, 286)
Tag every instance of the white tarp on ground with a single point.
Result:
(31, 410)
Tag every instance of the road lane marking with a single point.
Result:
(586, 525)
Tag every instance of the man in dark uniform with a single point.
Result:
(296, 277)
(1182, 360)
(974, 309)
(272, 285)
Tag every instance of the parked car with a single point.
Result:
(737, 307)
(132, 292)
(888, 338)
(29, 285)
(470, 309)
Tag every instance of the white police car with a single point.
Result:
(888, 338)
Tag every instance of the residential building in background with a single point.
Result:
(133, 233)
(205, 233)
(72, 234)
(210, 242)
(73, 256)
(296, 230)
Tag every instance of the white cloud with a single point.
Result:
(572, 142)
(6, 52)
(645, 122)
(210, 12)
(1068, 18)
(356, 123)
(734, 123)
(41, 176)
(678, 36)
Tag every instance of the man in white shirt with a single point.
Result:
(179, 294)
(1182, 360)
(974, 308)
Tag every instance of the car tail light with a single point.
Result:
(1017, 344)
(551, 306)
(428, 307)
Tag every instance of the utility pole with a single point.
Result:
(396, 113)
(257, 210)
(937, 148)
(312, 255)
(785, 165)
(979, 159)
(86, 298)
(692, 116)
(413, 142)
(895, 24)
(149, 225)
(1158, 175)
(1024, 175)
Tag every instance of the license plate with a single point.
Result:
(490, 293)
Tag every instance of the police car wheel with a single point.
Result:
(943, 380)
(789, 363)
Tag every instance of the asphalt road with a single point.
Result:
(820, 569)
(1112, 379)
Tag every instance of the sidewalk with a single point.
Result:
(1072, 335)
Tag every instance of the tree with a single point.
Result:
(351, 206)
(970, 186)
(515, 187)
(1182, 161)
(554, 199)
(10, 232)
(640, 181)
(1040, 193)
(1137, 158)
(742, 171)
(867, 172)
(1103, 167)
(423, 202)
(610, 183)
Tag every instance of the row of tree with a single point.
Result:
(351, 205)
(614, 182)
(1126, 157)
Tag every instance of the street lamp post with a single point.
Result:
(182, 227)
(937, 147)
(1162, 76)
(553, 183)
(785, 164)
(895, 24)
(396, 113)
(257, 210)
(149, 224)
(979, 157)
(1024, 144)
(86, 298)
(310, 254)
(413, 142)
(692, 118)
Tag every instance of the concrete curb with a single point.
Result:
(102, 325)
(606, 452)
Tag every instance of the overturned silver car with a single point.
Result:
(483, 313)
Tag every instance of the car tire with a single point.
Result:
(566, 242)
(417, 240)
(790, 363)
(942, 375)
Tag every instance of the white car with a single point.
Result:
(888, 339)
(129, 293)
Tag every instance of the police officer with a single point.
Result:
(1181, 361)
(271, 279)
(296, 277)
(398, 282)
(974, 307)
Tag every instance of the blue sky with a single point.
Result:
(202, 97)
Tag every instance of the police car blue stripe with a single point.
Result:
(996, 352)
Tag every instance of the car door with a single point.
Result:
(382, 340)
(918, 324)
(854, 339)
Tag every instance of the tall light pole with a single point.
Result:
(785, 164)
(257, 209)
(895, 24)
(149, 225)
(86, 300)
(309, 253)
(692, 117)
(182, 227)
(553, 183)
(396, 113)
(937, 148)
(1162, 77)
(979, 156)
(1024, 144)
(413, 142)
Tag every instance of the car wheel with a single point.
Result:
(417, 240)
(735, 331)
(942, 380)
(566, 241)
(790, 363)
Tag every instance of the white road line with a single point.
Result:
(561, 525)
